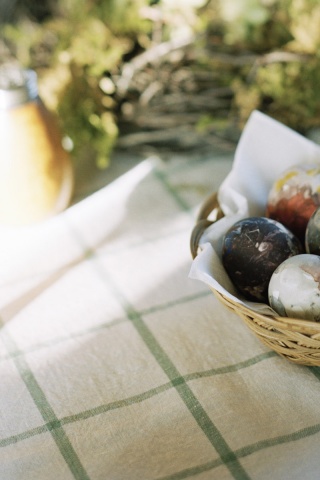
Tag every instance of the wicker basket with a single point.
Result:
(295, 339)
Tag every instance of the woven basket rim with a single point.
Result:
(308, 327)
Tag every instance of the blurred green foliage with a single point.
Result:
(283, 81)
(73, 49)
(79, 48)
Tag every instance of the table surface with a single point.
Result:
(115, 365)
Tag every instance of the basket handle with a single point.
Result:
(211, 205)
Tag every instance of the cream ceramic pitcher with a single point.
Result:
(36, 174)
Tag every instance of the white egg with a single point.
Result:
(294, 288)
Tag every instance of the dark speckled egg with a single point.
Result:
(294, 197)
(312, 237)
(252, 249)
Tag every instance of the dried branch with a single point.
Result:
(151, 56)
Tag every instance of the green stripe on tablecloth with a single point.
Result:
(195, 408)
(245, 451)
(162, 388)
(46, 411)
(24, 435)
(281, 439)
(230, 368)
(173, 193)
(190, 472)
(135, 398)
(103, 326)
(177, 301)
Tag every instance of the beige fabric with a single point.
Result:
(114, 365)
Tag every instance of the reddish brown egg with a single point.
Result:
(294, 197)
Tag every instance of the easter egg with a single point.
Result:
(252, 249)
(294, 288)
(312, 236)
(294, 196)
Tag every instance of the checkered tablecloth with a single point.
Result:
(114, 365)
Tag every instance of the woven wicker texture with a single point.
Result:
(297, 340)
